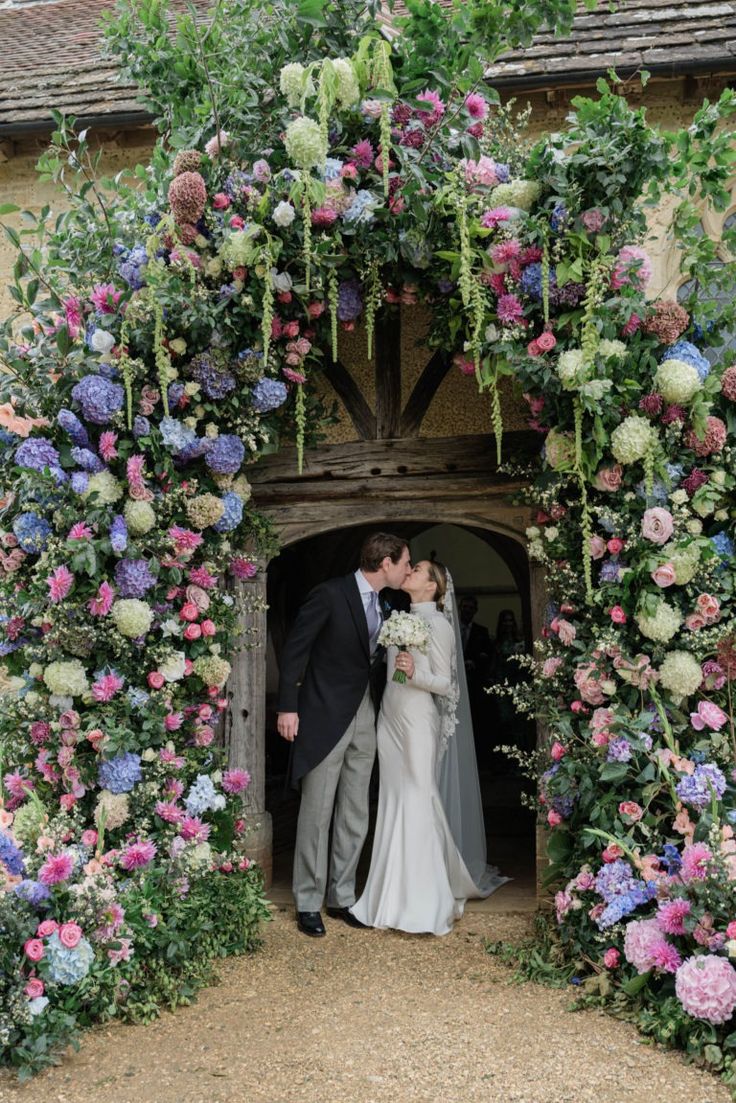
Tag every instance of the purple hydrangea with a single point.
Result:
(99, 398)
(32, 532)
(233, 514)
(119, 534)
(226, 454)
(80, 482)
(570, 294)
(268, 394)
(698, 789)
(71, 424)
(622, 891)
(11, 856)
(503, 172)
(133, 577)
(37, 453)
(611, 570)
(174, 394)
(619, 750)
(131, 265)
(349, 301)
(33, 892)
(87, 460)
(200, 446)
(141, 426)
(120, 774)
(214, 382)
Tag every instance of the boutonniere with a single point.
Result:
(386, 606)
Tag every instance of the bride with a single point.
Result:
(418, 881)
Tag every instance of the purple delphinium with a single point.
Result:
(120, 774)
(87, 460)
(225, 455)
(71, 424)
(99, 398)
(268, 394)
(133, 577)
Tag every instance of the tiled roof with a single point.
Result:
(50, 55)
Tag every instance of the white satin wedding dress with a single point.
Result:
(418, 881)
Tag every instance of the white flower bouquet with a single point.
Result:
(405, 631)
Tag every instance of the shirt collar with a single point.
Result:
(363, 584)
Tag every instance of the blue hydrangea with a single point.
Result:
(133, 577)
(120, 774)
(32, 532)
(611, 570)
(214, 382)
(138, 698)
(80, 482)
(37, 454)
(658, 492)
(174, 394)
(141, 426)
(11, 856)
(563, 803)
(558, 217)
(131, 265)
(684, 350)
(152, 218)
(622, 891)
(33, 892)
(226, 454)
(332, 168)
(119, 534)
(531, 281)
(349, 300)
(99, 398)
(87, 460)
(723, 544)
(8, 440)
(203, 796)
(175, 434)
(200, 446)
(226, 292)
(619, 750)
(67, 966)
(268, 394)
(503, 172)
(71, 424)
(698, 789)
(233, 514)
(362, 207)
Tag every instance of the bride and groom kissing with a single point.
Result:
(338, 702)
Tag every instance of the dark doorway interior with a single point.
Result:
(491, 567)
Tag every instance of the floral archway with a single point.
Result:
(173, 332)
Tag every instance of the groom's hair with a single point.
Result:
(379, 545)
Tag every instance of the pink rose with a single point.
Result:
(609, 478)
(577, 706)
(189, 611)
(34, 988)
(709, 606)
(550, 667)
(708, 716)
(664, 575)
(617, 615)
(694, 622)
(209, 628)
(611, 958)
(33, 949)
(291, 329)
(557, 751)
(731, 929)
(615, 545)
(601, 738)
(46, 928)
(221, 202)
(199, 597)
(554, 819)
(155, 679)
(597, 547)
(533, 348)
(546, 341)
(192, 632)
(566, 632)
(612, 853)
(237, 223)
(89, 837)
(69, 935)
(657, 525)
(630, 810)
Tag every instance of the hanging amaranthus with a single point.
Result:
(307, 215)
(267, 262)
(496, 416)
(332, 300)
(371, 277)
(385, 145)
(126, 370)
(372, 63)
(586, 527)
(163, 360)
(300, 418)
(545, 280)
(465, 278)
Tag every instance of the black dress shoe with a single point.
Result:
(346, 915)
(310, 923)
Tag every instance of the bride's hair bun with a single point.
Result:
(438, 573)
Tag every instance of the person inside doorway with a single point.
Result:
(478, 655)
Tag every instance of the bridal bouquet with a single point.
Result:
(404, 630)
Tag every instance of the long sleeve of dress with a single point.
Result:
(437, 678)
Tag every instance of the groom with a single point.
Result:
(329, 690)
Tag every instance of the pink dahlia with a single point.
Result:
(243, 568)
(106, 446)
(56, 868)
(169, 812)
(235, 781)
(200, 576)
(695, 861)
(491, 218)
(713, 441)
(105, 688)
(435, 109)
(476, 105)
(509, 309)
(363, 153)
(140, 853)
(193, 829)
(105, 298)
(694, 481)
(665, 957)
(706, 988)
(59, 583)
(505, 251)
(73, 317)
(101, 605)
(633, 267)
(651, 404)
(184, 539)
(19, 786)
(80, 531)
(671, 916)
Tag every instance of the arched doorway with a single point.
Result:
(490, 565)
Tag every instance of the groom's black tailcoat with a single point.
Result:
(325, 667)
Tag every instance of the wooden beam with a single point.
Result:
(352, 399)
(388, 374)
(424, 391)
(385, 488)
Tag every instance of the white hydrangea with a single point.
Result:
(140, 517)
(132, 617)
(680, 673)
(283, 213)
(66, 678)
(677, 381)
(632, 439)
(517, 193)
(609, 350)
(304, 143)
(685, 558)
(105, 486)
(348, 89)
(295, 83)
(663, 625)
(571, 368)
(112, 810)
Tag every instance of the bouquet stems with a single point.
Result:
(399, 675)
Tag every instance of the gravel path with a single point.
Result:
(372, 1017)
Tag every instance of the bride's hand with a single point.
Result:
(405, 662)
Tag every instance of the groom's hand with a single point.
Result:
(287, 724)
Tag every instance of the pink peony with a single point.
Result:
(657, 525)
(696, 859)
(69, 935)
(612, 958)
(671, 916)
(706, 988)
(59, 583)
(155, 679)
(664, 575)
(33, 948)
(546, 341)
(708, 715)
(138, 854)
(89, 837)
(56, 868)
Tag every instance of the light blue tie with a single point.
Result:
(373, 616)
